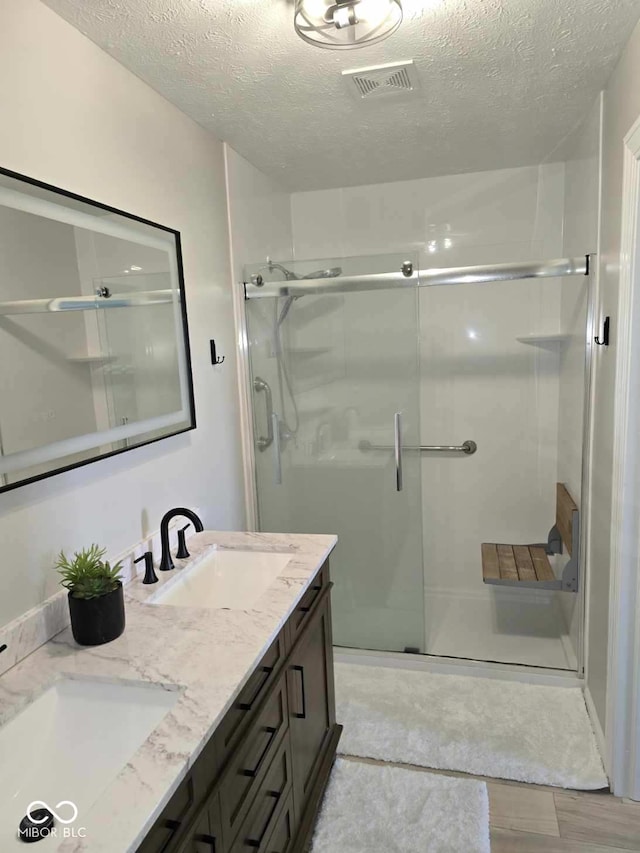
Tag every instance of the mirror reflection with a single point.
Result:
(93, 344)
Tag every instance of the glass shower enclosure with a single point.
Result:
(347, 357)
(336, 392)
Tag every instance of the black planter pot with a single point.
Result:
(95, 621)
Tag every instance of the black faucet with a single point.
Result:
(183, 552)
(149, 575)
(166, 563)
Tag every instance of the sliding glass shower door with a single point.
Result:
(335, 384)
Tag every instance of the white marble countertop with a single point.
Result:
(206, 654)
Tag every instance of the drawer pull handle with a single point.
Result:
(207, 839)
(252, 842)
(302, 715)
(271, 731)
(247, 706)
(315, 589)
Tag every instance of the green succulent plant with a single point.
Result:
(87, 575)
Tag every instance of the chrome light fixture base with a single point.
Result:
(346, 24)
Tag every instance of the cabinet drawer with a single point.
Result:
(256, 688)
(251, 761)
(167, 830)
(281, 839)
(300, 616)
(204, 835)
(265, 810)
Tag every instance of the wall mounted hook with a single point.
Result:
(604, 340)
(214, 355)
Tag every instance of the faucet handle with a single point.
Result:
(149, 574)
(182, 553)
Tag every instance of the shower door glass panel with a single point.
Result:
(330, 372)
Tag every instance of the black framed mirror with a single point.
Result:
(94, 343)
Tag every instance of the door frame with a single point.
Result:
(622, 729)
(243, 367)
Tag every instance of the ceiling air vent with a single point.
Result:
(396, 78)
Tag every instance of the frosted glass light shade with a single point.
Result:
(345, 24)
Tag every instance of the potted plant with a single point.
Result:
(96, 601)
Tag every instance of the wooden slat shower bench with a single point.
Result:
(528, 566)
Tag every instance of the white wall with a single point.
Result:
(621, 110)
(73, 117)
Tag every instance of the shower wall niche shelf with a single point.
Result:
(91, 359)
(306, 352)
(541, 340)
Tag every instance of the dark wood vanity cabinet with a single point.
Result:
(311, 700)
(204, 835)
(258, 783)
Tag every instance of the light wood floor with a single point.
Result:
(536, 819)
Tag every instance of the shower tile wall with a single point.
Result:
(478, 382)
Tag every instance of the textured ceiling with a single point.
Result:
(502, 81)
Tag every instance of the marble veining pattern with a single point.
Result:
(25, 634)
(206, 654)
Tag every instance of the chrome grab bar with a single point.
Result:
(397, 448)
(262, 385)
(468, 447)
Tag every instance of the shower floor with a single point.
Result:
(480, 628)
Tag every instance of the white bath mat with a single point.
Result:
(483, 726)
(372, 809)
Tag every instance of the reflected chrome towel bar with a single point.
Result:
(467, 447)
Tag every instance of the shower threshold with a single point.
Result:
(459, 666)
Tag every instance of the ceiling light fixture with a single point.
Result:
(344, 24)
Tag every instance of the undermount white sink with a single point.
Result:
(68, 745)
(224, 579)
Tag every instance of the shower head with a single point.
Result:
(333, 272)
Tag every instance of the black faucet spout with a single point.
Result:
(166, 563)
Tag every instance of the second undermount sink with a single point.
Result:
(223, 579)
(65, 748)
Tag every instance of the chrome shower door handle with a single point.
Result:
(277, 453)
(397, 448)
(259, 384)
